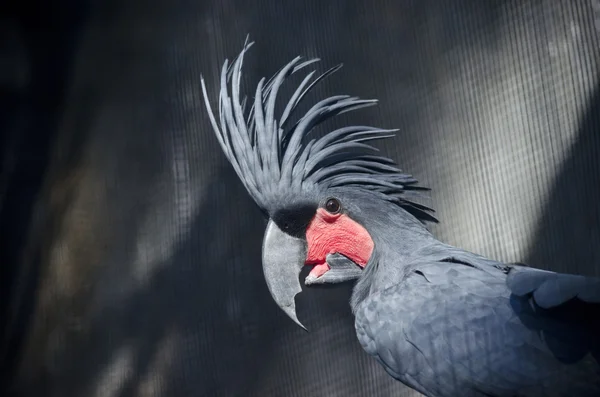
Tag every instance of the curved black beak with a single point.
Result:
(283, 257)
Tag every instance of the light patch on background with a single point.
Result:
(169, 219)
(156, 377)
(596, 8)
(501, 95)
(116, 374)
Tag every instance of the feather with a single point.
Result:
(551, 289)
(268, 152)
(450, 329)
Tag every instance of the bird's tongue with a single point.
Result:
(319, 269)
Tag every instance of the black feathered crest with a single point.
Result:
(269, 155)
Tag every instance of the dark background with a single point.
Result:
(130, 252)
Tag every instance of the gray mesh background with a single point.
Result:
(131, 252)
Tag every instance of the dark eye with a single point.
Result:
(333, 206)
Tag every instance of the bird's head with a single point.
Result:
(324, 197)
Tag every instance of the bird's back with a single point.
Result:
(450, 328)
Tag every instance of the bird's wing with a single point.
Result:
(450, 329)
(550, 289)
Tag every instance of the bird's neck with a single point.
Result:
(399, 241)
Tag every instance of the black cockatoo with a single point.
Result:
(442, 320)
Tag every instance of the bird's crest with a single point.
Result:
(270, 155)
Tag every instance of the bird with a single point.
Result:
(444, 321)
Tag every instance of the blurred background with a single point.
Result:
(130, 252)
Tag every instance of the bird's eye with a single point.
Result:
(333, 206)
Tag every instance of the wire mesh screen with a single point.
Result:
(132, 253)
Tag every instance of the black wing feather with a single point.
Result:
(550, 289)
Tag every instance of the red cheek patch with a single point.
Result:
(328, 234)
